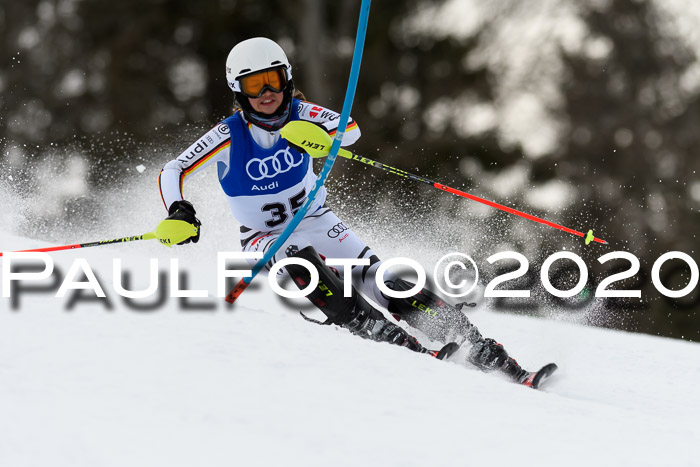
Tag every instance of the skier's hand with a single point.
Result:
(301, 150)
(313, 136)
(298, 149)
(184, 211)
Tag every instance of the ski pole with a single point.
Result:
(327, 166)
(148, 236)
(169, 232)
(315, 141)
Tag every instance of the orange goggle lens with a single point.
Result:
(254, 85)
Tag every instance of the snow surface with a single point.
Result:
(259, 386)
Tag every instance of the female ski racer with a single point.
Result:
(266, 181)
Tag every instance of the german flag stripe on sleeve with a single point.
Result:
(350, 127)
(160, 190)
(182, 182)
(224, 145)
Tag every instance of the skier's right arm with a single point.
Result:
(211, 147)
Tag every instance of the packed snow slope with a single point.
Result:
(259, 386)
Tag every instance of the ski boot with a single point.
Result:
(489, 355)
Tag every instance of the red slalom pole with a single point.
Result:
(402, 173)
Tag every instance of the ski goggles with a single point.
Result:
(255, 85)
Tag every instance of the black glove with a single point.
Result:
(184, 211)
(299, 149)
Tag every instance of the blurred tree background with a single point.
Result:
(584, 113)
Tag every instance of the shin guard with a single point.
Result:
(328, 294)
(429, 313)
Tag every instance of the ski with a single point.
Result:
(536, 378)
(446, 351)
(532, 379)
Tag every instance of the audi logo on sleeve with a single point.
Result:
(337, 229)
(280, 162)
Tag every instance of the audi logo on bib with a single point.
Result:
(337, 229)
(282, 161)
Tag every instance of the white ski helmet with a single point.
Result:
(253, 56)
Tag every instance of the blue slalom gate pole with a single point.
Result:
(328, 165)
